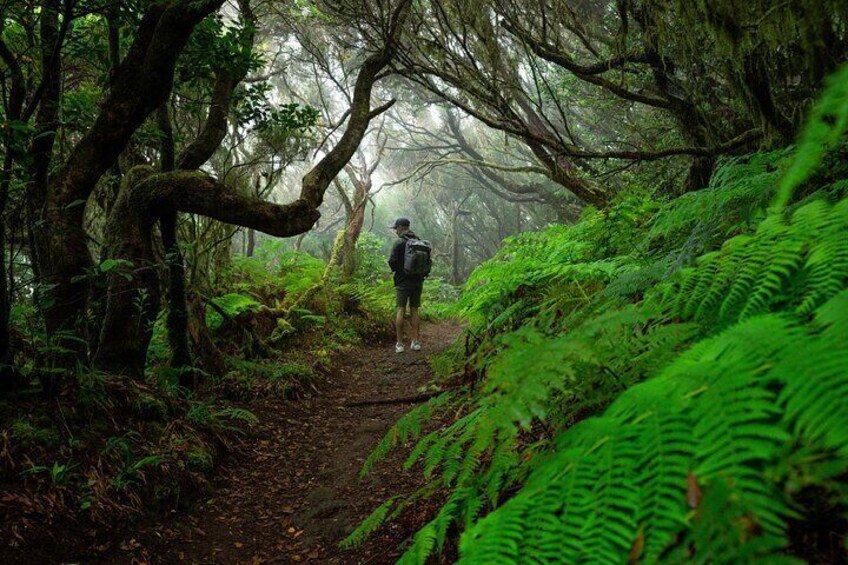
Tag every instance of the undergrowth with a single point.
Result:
(123, 445)
(665, 381)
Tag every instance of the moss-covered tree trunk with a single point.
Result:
(5, 303)
(455, 250)
(132, 302)
(13, 110)
(251, 242)
(352, 232)
(201, 150)
(145, 196)
(354, 219)
(693, 124)
(139, 85)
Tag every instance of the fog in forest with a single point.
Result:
(423, 281)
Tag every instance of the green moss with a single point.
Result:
(149, 407)
(27, 434)
(295, 371)
(199, 459)
(232, 305)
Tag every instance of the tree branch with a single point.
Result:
(199, 193)
(735, 143)
(316, 181)
(215, 127)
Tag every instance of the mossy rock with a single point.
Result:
(199, 459)
(150, 408)
(27, 434)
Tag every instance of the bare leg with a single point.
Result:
(399, 314)
(415, 322)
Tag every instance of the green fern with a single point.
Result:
(739, 191)
(408, 427)
(617, 483)
(204, 414)
(423, 544)
(719, 415)
(825, 126)
(231, 305)
(801, 262)
(638, 403)
(369, 525)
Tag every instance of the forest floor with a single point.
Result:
(293, 491)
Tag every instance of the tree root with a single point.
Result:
(403, 400)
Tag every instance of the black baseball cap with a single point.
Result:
(400, 222)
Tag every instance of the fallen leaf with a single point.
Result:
(130, 545)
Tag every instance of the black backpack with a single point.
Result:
(417, 260)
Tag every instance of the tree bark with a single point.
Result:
(508, 191)
(195, 155)
(693, 124)
(132, 303)
(455, 247)
(177, 318)
(40, 150)
(354, 216)
(144, 195)
(14, 107)
(251, 242)
(755, 82)
(316, 181)
(208, 355)
(139, 85)
(352, 232)
(6, 371)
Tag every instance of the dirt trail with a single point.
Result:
(294, 492)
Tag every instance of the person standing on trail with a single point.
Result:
(410, 262)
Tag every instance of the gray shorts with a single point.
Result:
(411, 296)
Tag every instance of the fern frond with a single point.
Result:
(799, 263)
(369, 525)
(717, 416)
(408, 427)
(422, 546)
(826, 124)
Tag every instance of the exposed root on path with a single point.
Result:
(417, 399)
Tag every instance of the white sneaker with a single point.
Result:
(399, 348)
(415, 346)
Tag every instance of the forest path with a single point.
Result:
(293, 492)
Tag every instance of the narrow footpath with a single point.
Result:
(293, 492)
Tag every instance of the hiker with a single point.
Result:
(410, 262)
